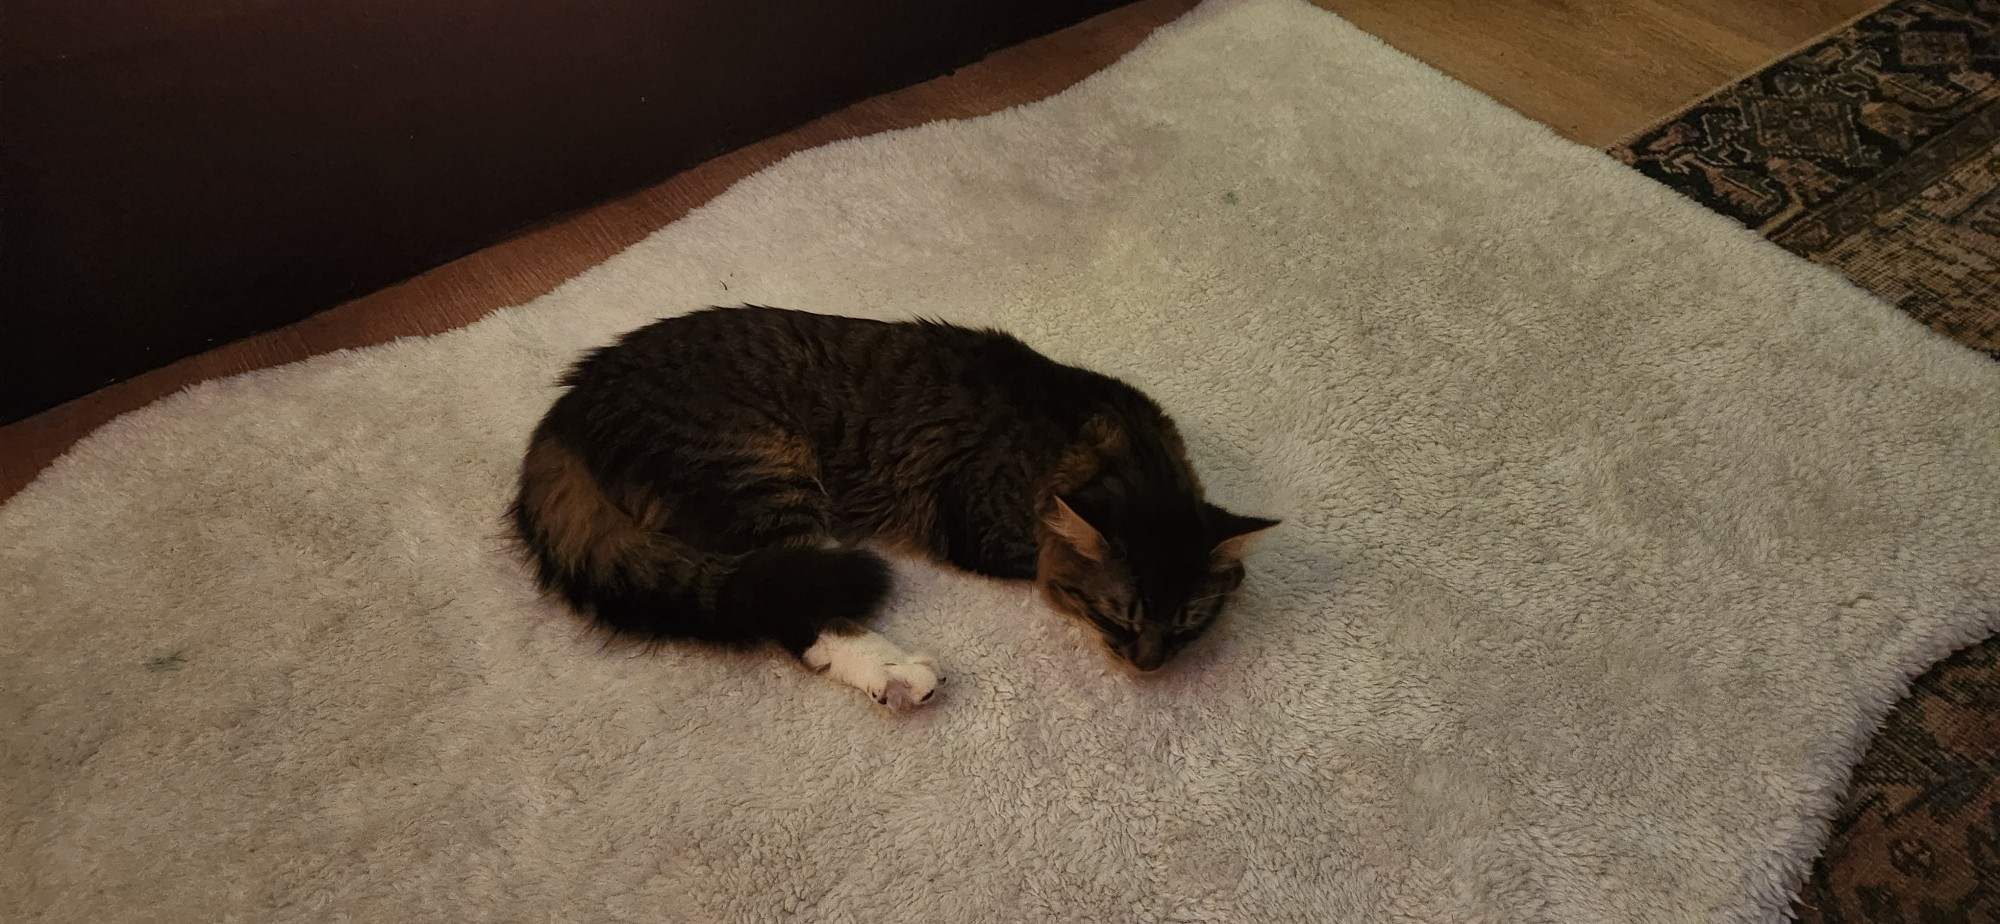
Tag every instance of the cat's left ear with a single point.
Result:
(1232, 533)
(1074, 530)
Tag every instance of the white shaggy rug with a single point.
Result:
(1611, 531)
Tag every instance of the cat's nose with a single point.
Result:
(1147, 653)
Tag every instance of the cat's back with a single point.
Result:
(757, 347)
(731, 343)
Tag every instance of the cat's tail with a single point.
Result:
(615, 563)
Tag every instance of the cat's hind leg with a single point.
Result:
(866, 660)
(801, 587)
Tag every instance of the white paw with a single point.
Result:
(875, 666)
(906, 684)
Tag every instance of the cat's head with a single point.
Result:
(1151, 578)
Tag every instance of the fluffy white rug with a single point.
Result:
(1611, 532)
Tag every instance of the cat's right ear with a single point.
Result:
(1233, 533)
(1075, 531)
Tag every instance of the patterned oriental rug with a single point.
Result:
(1876, 152)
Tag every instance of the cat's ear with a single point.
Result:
(1232, 534)
(1074, 530)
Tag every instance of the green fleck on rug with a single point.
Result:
(1611, 532)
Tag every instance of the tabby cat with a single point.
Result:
(709, 477)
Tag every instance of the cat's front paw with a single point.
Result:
(908, 684)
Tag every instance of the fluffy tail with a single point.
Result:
(615, 563)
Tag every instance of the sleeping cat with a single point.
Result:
(708, 477)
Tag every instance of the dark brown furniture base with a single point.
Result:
(176, 175)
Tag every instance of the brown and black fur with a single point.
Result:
(708, 477)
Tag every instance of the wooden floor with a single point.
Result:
(1599, 70)
(1594, 70)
